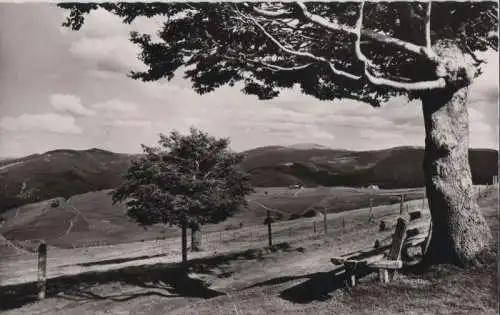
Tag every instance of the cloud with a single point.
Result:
(130, 123)
(378, 135)
(296, 117)
(105, 41)
(100, 23)
(55, 123)
(115, 106)
(70, 104)
(113, 53)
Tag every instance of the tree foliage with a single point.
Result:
(364, 51)
(186, 179)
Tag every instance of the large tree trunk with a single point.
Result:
(195, 237)
(184, 243)
(459, 230)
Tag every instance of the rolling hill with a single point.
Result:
(399, 167)
(59, 173)
(65, 173)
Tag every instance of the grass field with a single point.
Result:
(91, 219)
(239, 275)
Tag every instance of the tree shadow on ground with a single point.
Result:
(163, 280)
(318, 287)
(158, 280)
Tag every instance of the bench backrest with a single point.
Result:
(398, 240)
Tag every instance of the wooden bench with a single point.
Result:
(417, 239)
(416, 246)
(387, 258)
(378, 259)
(407, 246)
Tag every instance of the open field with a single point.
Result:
(66, 173)
(239, 276)
(21, 267)
(91, 219)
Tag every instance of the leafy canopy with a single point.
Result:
(364, 51)
(186, 179)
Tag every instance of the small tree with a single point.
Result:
(186, 181)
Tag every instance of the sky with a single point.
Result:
(61, 89)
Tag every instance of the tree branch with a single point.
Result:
(409, 86)
(279, 68)
(269, 66)
(274, 14)
(357, 45)
(488, 43)
(428, 43)
(384, 39)
(299, 53)
(478, 61)
(334, 26)
(494, 17)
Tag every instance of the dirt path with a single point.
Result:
(130, 298)
(11, 245)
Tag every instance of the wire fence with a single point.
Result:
(274, 227)
(354, 225)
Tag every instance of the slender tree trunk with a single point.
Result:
(195, 237)
(184, 243)
(459, 230)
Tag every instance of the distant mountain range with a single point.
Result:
(64, 173)
(399, 167)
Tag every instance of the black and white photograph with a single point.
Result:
(232, 157)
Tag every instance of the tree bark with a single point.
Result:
(459, 230)
(195, 237)
(184, 243)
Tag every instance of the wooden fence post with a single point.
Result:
(314, 227)
(42, 270)
(401, 204)
(370, 217)
(423, 200)
(325, 222)
(269, 230)
(343, 224)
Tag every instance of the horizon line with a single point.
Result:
(319, 147)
